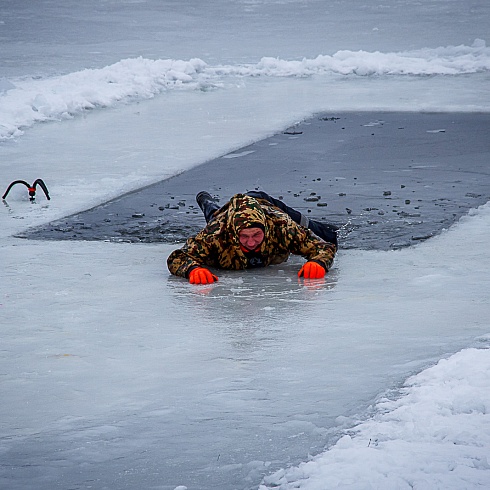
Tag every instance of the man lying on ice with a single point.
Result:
(253, 230)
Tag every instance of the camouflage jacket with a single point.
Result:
(218, 246)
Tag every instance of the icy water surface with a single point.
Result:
(387, 180)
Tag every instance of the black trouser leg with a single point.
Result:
(209, 208)
(207, 204)
(323, 230)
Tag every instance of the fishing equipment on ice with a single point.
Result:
(31, 188)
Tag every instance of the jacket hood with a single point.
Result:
(245, 212)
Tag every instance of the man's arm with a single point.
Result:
(195, 253)
(313, 249)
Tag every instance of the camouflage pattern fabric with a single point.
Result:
(218, 246)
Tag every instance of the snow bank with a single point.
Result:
(451, 60)
(436, 436)
(28, 101)
(34, 101)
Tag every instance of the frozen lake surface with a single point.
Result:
(114, 374)
(122, 377)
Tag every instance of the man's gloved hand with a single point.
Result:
(201, 275)
(312, 270)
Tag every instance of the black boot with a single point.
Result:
(207, 204)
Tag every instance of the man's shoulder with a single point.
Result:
(273, 211)
(279, 221)
(212, 231)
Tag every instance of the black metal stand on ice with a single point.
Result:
(31, 188)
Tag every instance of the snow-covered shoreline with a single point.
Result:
(435, 436)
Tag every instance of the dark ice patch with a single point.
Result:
(386, 185)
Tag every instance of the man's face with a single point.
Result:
(251, 238)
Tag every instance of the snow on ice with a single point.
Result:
(25, 102)
(435, 436)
